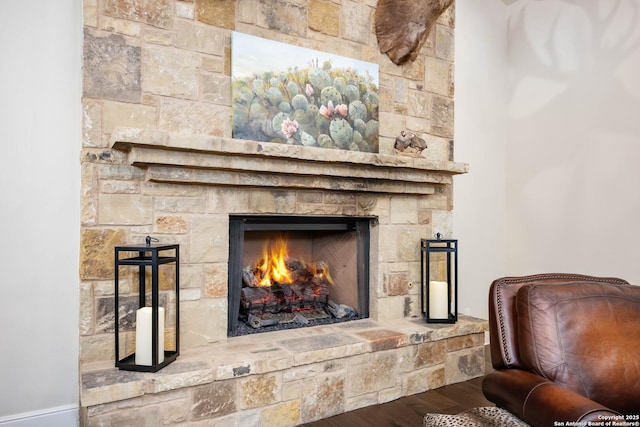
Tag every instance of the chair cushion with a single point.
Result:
(586, 337)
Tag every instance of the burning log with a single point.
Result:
(249, 277)
(277, 298)
(258, 296)
(299, 271)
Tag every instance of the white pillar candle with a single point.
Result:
(438, 300)
(143, 336)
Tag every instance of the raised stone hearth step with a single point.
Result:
(308, 373)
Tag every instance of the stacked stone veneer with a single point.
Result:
(158, 159)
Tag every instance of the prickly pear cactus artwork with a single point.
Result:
(291, 95)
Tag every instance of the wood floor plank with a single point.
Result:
(410, 410)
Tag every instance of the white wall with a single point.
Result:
(547, 116)
(480, 140)
(40, 111)
(573, 193)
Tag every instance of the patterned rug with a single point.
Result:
(476, 417)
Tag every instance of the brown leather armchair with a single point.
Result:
(565, 347)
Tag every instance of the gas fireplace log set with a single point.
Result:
(288, 298)
(308, 289)
(306, 298)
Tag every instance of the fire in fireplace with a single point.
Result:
(288, 272)
(281, 288)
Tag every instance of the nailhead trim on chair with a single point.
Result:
(502, 332)
(532, 278)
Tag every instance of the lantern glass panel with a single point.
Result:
(438, 267)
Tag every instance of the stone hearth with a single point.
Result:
(289, 377)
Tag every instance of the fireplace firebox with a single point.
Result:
(295, 271)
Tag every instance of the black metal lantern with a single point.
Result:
(147, 309)
(439, 280)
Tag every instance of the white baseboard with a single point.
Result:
(60, 416)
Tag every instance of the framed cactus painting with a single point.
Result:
(292, 95)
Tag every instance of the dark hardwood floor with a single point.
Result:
(409, 411)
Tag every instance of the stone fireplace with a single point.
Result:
(158, 159)
(200, 191)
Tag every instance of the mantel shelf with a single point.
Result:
(206, 160)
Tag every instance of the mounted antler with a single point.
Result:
(402, 26)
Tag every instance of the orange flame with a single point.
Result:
(321, 269)
(272, 267)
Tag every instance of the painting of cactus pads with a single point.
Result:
(291, 95)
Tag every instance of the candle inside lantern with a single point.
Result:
(144, 334)
(438, 300)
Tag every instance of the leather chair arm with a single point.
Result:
(537, 401)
